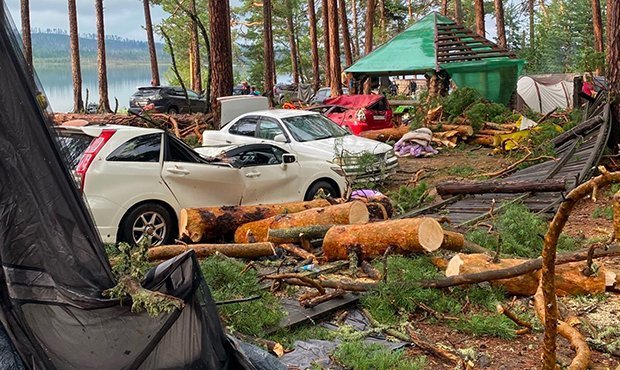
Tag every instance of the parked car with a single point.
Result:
(324, 93)
(310, 136)
(166, 99)
(361, 113)
(136, 180)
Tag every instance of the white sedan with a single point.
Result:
(137, 180)
(310, 136)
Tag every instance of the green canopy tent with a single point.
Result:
(436, 43)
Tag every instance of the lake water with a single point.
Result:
(123, 81)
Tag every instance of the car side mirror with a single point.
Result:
(289, 158)
(280, 138)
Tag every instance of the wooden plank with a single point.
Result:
(297, 315)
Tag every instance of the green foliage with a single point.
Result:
(192, 140)
(129, 260)
(362, 356)
(407, 198)
(462, 171)
(459, 100)
(226, 281)
(606, 212)
(479, 113)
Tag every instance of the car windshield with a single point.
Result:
(313, 127)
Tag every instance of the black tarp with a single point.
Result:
(54, 267)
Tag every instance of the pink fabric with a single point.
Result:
(588, 88)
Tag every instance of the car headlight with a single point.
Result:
(389, 154)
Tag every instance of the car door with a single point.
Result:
(196, 183)
(267, 178)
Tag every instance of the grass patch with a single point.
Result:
(606, 212)
(362, 356)
(521, 232)
(487, 325)
(224, 277)
(462, 171)
(407, 198)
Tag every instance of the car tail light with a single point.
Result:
(89, 155)
(361, 115)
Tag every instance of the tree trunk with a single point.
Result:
(406, 236)
(530, 11)
(501, 186)
(151, 42)
(346, 213)
(368, 36)
(104, 101)
(356, 35)
(382, 21)
(293, 43)
(346, 38)
(254, 250)
(613, 57)
(296, 234)
(479, 12)
(316, 78)
(26, 35)
(458, 12)
(326, 31)
(444, 8)
(269, 75)
(569, 278)
(194, 44)
(499, 19)
(386, 134)
(463, 130)
(220, 53)
(597, 23)
(219, 223)
(334, 48)
(453, 241)
(380, 199)
(74, 47)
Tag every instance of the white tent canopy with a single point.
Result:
(544, 93)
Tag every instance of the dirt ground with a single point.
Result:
(524, 351)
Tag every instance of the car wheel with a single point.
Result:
(321, 186)
(173, 110)
(148, 220)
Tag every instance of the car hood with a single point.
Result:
(352, 145)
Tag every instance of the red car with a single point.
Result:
(360, 112)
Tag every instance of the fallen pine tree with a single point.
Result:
(254, 250)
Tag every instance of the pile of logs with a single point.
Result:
(181, 125)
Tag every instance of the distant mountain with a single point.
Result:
(53, 47)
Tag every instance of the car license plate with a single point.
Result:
(379, 117)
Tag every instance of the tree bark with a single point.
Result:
(269, 75)
(74, 47)
(26, 35)
(251, 251)
(444, 8)
(194, 44)
(569, 278)
(464, 130)
(356, 35)
(499, 19)
(346, 38)
(382, 21)
(479, 12)
(219, 223)
(406, 236)
(296, 234)
(293, 43)
(340, 214)
(458, 12)
(501, 186)
(530, 11)
(326, 31)
(613, 58)
(386, 134)
(453, 241)
(314, 48)
(368, 36)
(597, 23)
(334, 48)
(220, 53)
(151, 43)
(380, 199)
(104, 101)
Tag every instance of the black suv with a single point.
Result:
(166, 100)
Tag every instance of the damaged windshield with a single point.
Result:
(313, 127)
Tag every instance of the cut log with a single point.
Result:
(452, 241)
(346, 213)
(295, 234)
(406, 236)
(376, 212)
(484, 140)
(254, 250)
(501, 186)
(463, 130)
(382, 199)
(494, 132)
(510, 127)
(219, 223)
(569, 278)
(299, 252)
(386, 134)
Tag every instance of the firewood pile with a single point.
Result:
(180, 125)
